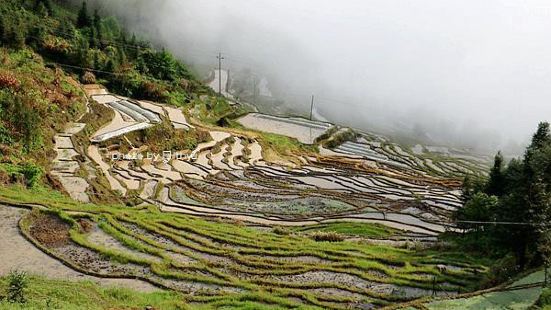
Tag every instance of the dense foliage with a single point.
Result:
(86, 43)
(35, 103)
(512, 210)
(47, 47)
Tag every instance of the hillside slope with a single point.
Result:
(238, 214)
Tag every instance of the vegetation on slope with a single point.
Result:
(37, 99)
(35, 103)
(511, 211)
(234, 256)
(544, 301)
(43, 293)
(100, 47)
(353, 229)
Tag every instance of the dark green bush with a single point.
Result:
(17, 283)
(32, 174)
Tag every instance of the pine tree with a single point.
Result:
(97, 19)
(46, 5)
(524, 191)
(93, 39)
(121, 55)
(538, 174)
(97, 64)
(541, 137)
(19, 35)
(67, 28)
(97, 27)
(496, 182)
(83, 19)
(42, 10)
(3, 28)
(134, 50)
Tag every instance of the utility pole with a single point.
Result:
(312, 107)
(311, 114)
(220, 58)
(254, 90)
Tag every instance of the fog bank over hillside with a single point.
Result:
(454, 72)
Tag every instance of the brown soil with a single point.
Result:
(85, 225)
(49, 230)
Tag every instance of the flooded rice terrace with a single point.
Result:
(367, 179)
(249, 192)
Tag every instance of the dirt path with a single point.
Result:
(18, 253)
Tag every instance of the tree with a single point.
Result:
(496, 181)
(542, 137)
(19, 35)
(42, 10)
(160, 65)
(471, 186)
(46, 5)
(97, 20)
(97, 27)
(538, 174)
(479, 208)
(67, 28)
(93, 38)
(3, 29)
(524, 191)
(134, 49)
(83, 19)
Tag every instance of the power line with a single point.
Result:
(502, 223)
(83, 68)
(312, 107)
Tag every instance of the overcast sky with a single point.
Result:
(461, 70)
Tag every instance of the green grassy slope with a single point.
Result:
(522, 298)
(45, 293)
(248, 251)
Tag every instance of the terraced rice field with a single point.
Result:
(423, 161)
(204, 221)
(222, 263)
(229, 177)
(303, 130)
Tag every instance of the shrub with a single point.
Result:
(545, 298)
(8, 80)
(5, 136)
(503, 270)
(282, 231)
(32, 174)
(327, 236)
(327, 134)
(88, 78)
(340, 138)
(153, 91)
(17, 283)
